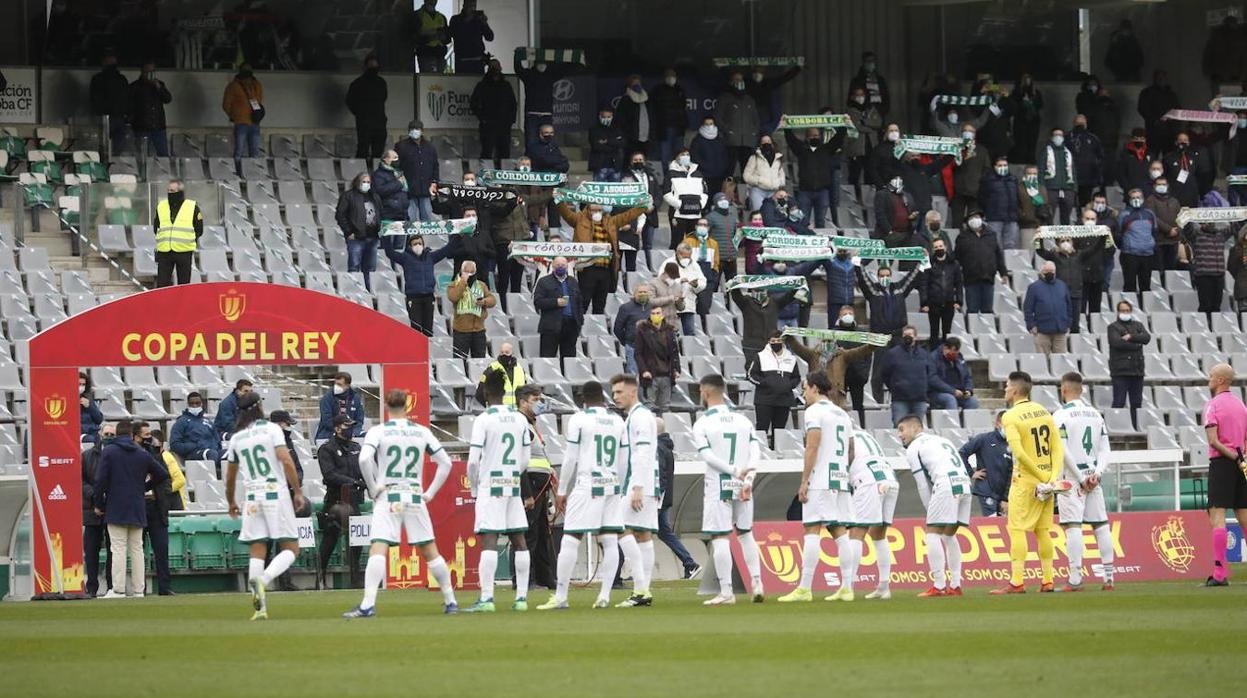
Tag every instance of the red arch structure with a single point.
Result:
(211, 324)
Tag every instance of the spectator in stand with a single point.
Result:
(469, 30)
(752, 248)
(1107, 217)
(1125, 54)
(940, 292)
(765, 93)
(919, 179)
(192, 436)
(419, 279)
(692, 282)
(1100, 109)
(513, 376)
(472, 299)
(667, 284)
(881, 163)
(993, 469)
(885, 303)
(1126, 338)
(558, 298)
(338, 458)
(686, 193)
(390, 184)
(894, 213)
(1155, 101)
(418, 159)
(982, 260)
(359, 218)
(1088, 154)
(932, 230)
(723, 220)
(1237, 267)
(1035, 207)
(796, 313)
(493, 101)
(94, 531)
(227, 410)
(124, 471)
(243, 103)
(1224, 55)
(737, 116)
(640, 234)
(760, 316)
(1025, 104)
(1186, 167)
(998, 196)
(775, 375)
(946, 120)
(910, 375)
(538, 92)
(657, 358)
(873, 84)
(90, 417)
(709, 151)
(632, 312)
(591, 224)
(1134, 161)
(179, 225)
(764, 172)
(635, 114)
(341, 399)
(1047, 311)
(976, 162)
(833, 141)
(1092, 253)
(1168, 233)
(536, 199)
(148, 97)
(869, 125)
(814, 158)
(841, 281)
(546, 156)
(1059, 176)
(365, 99)
(670, 114)
(606, 146)
(481, 245)
(847, 364)
(432, 38)
(1155, 171)
(951, 369)
(1069, 261)
(1207, 241)
(705, 252)
(1139, 231)
(110, 96)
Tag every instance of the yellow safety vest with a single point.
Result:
(511, 385)
(430, 27)
(537, 459)
(175, 235)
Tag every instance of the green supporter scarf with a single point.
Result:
(746, 61)
(450, 226)
(929, 145)
(496, 178)
(765, 282)
(873, 339)
(617, 200)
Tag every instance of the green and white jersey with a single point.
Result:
(254, 449)
(831, 468)
(726, 436)
(869, 464)
(1085, 436)
(641, 449)
(394, 452)
(935, 458)
(499, 451)
(600, 466)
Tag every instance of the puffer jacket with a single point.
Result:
(776, 376)
(998, 197)
(391, 185)
(941, 283)
(765, 175)
(685, 190)
(737, 116)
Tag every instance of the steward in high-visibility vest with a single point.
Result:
(512, 375)
(178, 223)
(537, 488)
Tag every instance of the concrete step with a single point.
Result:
(56, 243)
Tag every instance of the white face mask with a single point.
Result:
(1067, 246)
(1088, 222)
(683, 160)
(1002, 171)
(1154, 174)
(469, 182)
(669, 81)
(469, 216)
(596, 216)
(415, 134)
(541, 67)
(1162, 188)
(685, 261)
(847, 320)
(1136, 202)
(702, 230)
(1098, 207)
(338, 389)
(82, 389)
(975, 223)
(1125, 317)
(953, 117)
(967, 136)
(758, 77)
(417, 250)
(525, 168)
(709, 131)
(365, 187)
(1058, 141)
(196, 411)
(894, 136)
(859, 99)
(722, 204)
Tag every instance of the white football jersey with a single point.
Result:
(500, 449)
(869, 464)
(597, 434)
(1082, 429)
(935, 458)
(254, 449)
(395, 450)
(729, 436)
(641, 442)
(831, 469)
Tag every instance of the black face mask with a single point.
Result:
(244, 74)
(638, 166)
(941, 254)
(176, 198)
(781, 202)
(1049, 277)
(777, 348)
(767, 148)
(907, 341)
(506, 361)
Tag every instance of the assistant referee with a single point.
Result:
(1225, 424)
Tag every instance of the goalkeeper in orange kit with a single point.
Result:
(1038, 455)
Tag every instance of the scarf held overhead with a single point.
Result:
(871, 338)
(1211, 117)
(1052, 232)
(621, 200)
(929, 145)
(518, 177)
(765, 282)
(745, 61)
(1211, 215)
(449, 226)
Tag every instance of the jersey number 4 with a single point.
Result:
(397, 454)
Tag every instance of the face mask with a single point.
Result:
(196, 411)
(847, 320)
(1183, 146)
(560, 270)
(286, 428)
(907, 340)
(894, 136)
(1088, 222)
(781, 201)
(470, 216)
(767, 148)
(1092, 87)
(950, 355)
(596, 216)
(469, 182)
(541, 67)
(656, 320)
(780, 269)
(975, 223)
(1154, 174)
(1125, 317)
(1050, 276)
(796, 214)
(684, 160)
(758, 77)
(702, 231)
(885, 281)
(1058, 141)
(933, 227)
(1136, 202)
(642, 299)
(669, 81)
(638, 165)
(870, 67)
(605, 120)
(417, 250)
(636, 88)
(541, 407)
(776, 347)
(1080, 127)
(953, 117)
(338, 389)
(722, 204)
(1099, 208)
(176, 198)
(940, 254)
(1162, 188)
(897, 184)
(525, 168)
(365, 187)
(709, 131)
(1067, 246)
(546, 137)
(415, 134)
(738, 85)
(107, 440)
(82, 389)
(859, 99)
(685, 261)
(506, 360)
(1002, 171)
(967, 136)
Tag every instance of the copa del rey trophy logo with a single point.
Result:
(232, 305)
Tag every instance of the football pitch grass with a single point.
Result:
(1143, 639)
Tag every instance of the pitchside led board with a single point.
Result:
(213, 324)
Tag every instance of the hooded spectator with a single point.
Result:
(148, 97)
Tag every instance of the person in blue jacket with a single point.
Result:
(125, 471)
(227, 411)
(952, 370)
(419, 278)
(992, 471)
(910, 375)
(1047, 311)
(193, 436)
(342, 399)
(90, 414)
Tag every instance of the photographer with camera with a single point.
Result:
(344, 493)
(469, 30)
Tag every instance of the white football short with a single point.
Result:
(268, 514)
(720, 516)
(390, 519)
(644, 520)
(500, 515)
(946, 508)
(1078, 508)
(589, 514)
(871, 508)
(827, 507)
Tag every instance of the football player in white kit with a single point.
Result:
(875, 491)
(824, 491)
(1082, 429)
(642, 491)
(944, 487)
(497, 458)
(588, 495)
(726, 443)
(392, 463)
(269, 477)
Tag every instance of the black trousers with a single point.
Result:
(1136, 272)
(680, 229)
(857, 394)
(876, 371)
(538, 537)
(157, 533)
(1065, 203)
(495, 142)
(595, 285)
(961, 205)
(168, 262)
(561, 343)
(333, 522)
(941, 318)
(1128, 387)
(370, 141)
(1092, 295)
(94, 538)
(420, 312)
(769, 418)
(741, 153)
(469, 344)
(509, 275)
(1210, 290)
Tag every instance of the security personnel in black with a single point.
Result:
(158, 502)
(283, 419)
(536, 489)
(344, 493)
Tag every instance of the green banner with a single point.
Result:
(765, 282)
(789, 121)
(450, 226)
(907, 254)
(758, 234)
(794, 254)
(496, 178)
(618, 200)
(1237, 180)
(613, 188)
(787, 240)
(930, 145)
(964, 101)
(874, 339)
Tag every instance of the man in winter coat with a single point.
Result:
(982, 260)
(1047, 311)
(1088, 154)
(592, 224)
(657, 358)
(1189, 169)
(148, 97)
(847, 364)
(418, 159)
(559, 298)
(227, 410)
(390, 183)
(110, 96)
(686, 193)
(358, 216)
(1126, 338)
(737, 116)
(493, 101)
(940, 291)
(998, 198)
(814, 167)
(365, 99)
(546, 156)
(419, 279)
(192, 436)
(1168, 233)
(910, 375)
(1134, 160)
(635, 115)
(94, 531)
(124, 472)
(775, 375)
(993, 469)
(341, 399)
(1056, 163)
(670, 113)
(885, 303)
(606, 147)
(632, 312)
(976, 162)
(951, 369)
(1155, 101)
(709, 150)
(870, 81)
(1069, 261)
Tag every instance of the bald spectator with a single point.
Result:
(513, 375)
(1225, 423)
(1047, 311)
(558, 298)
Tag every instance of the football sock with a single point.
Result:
(809, 560)
(441, 573)
(723, 564)
(749, 551)
(952, 550)
(632, 552)
(488, 566)
(647, 562)
(610, 563)
(845, 553)
(522, 560)
(1104, 541)
(1017, 555)
(883, 556)
(1074, 550)
(255, 568)
(280, 563)
(855, 547)
(374, 574)
(935, 559)
(1219, 569)
(566, 563)
(1046, 553)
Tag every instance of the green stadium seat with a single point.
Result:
(203, 543)
(177, 545)
(13, 144)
